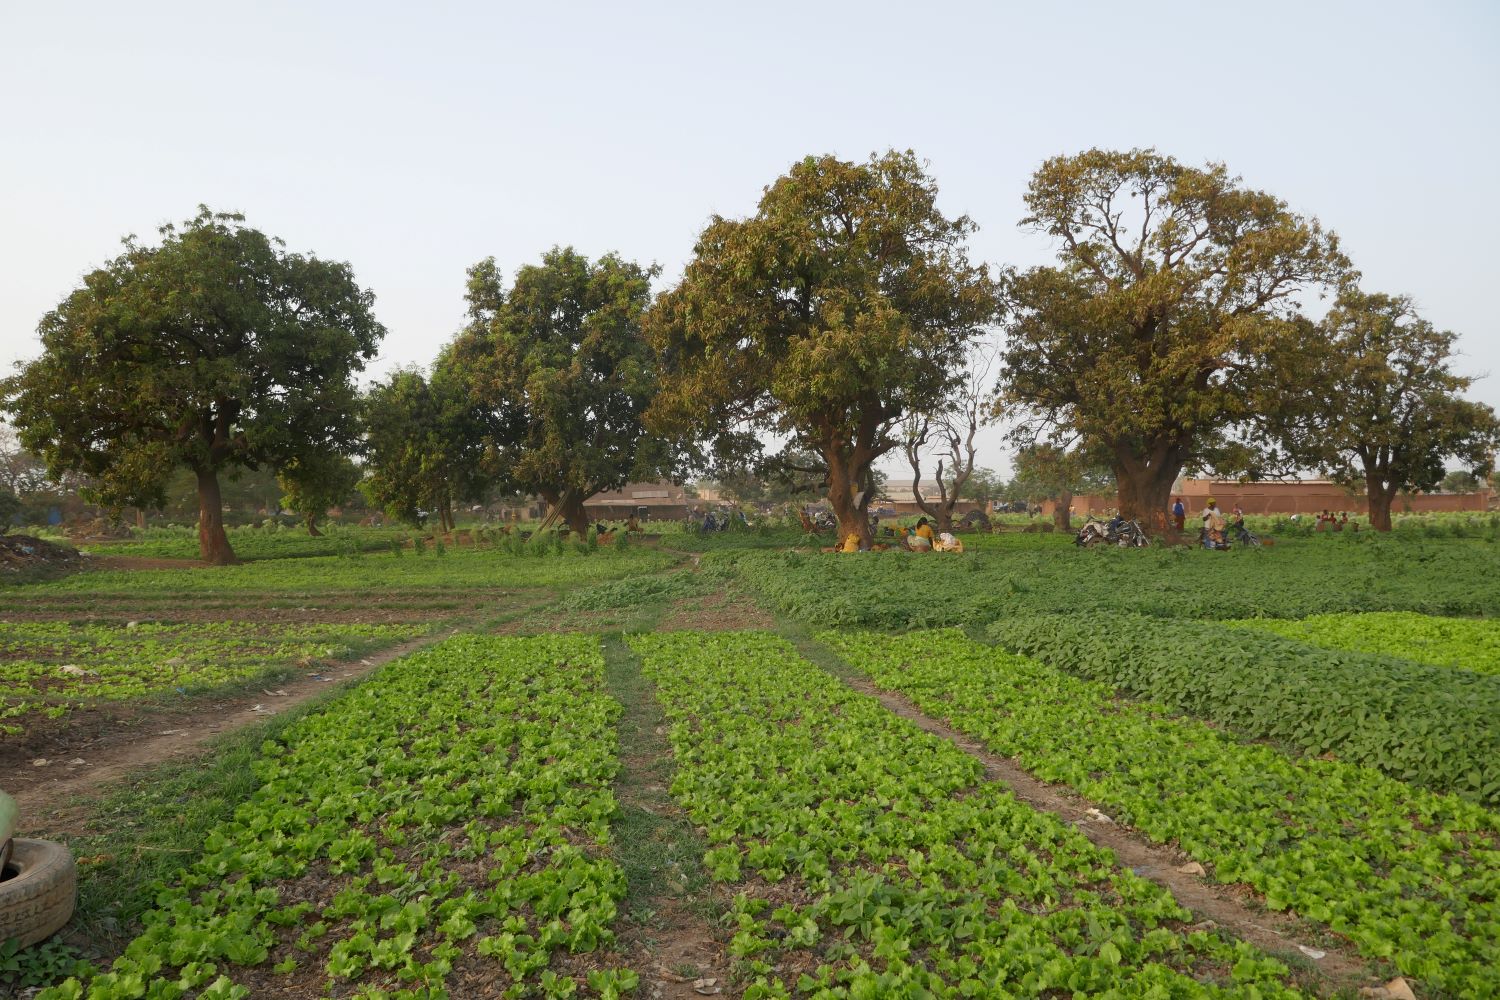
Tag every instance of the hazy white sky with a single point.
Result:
(414, 139)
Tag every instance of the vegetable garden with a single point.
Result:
(1312, 729)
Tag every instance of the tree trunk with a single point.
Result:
(852, 519)
(1062, 514)
(1380, 497)
(312, 525)
(213, 544)
(1146, 495)
(140, 518)
(575, 515)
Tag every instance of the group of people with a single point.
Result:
(920, 537)
(1329, 521)
(632, 525)
(1217, 527)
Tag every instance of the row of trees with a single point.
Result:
(844, 320)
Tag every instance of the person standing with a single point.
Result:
(1179, 515)
(1213, 525)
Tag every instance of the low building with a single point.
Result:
(900, 496)
(659, 501)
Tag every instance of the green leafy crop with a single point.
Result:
(1019, 575)
(1431, 726)
(875, 860)
(452, 810)
(1404, 874)
(50, 668)
(1468, 643)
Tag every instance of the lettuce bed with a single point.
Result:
(1404, 874)
(875, 861)
(440, 830)
(1431, 726)
(1466, 643)
(50, 668)
(1013, 576)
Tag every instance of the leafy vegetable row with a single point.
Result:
(1014, 576)
(48, 668)
(876, 861)
(438, 831)
(1468, 643)
(457, 570)
(1431, 726)
(1407, 875)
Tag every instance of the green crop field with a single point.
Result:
(654, 769)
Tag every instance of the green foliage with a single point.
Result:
(47, 962)
(1405, 874)
(1470, 644)
(377, 575)
(10, 506)
(398, 806)
(267, 540)
(1430, 726)
(847, 301)
(1017, 574)
(1460, 481)
(1373, 402)
(1046, 472)
(423, 448)
(562, 375)
(213, 350)
(895, 869)
(633, 591)
(316, 481)
(51, 668)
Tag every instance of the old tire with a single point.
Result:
(37, 896)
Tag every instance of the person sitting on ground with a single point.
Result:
(1343, 519)
(924, 530)
(918, 542)
(633, 523)
(1322, 521)
(946, 542)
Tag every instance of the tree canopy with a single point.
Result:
(314, 482)
(1175, 291)
(1374, 403)
(423, 446)
(212, 350)
(845, 302)
(562, 374)
(1045, 471)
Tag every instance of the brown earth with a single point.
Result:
(24, 553)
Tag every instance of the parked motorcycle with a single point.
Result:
(1115, 531)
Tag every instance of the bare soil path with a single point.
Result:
(1238, 909)
(668, 931)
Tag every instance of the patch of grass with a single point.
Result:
(659, 849)
(636, 590)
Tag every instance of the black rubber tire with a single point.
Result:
(38, 897)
